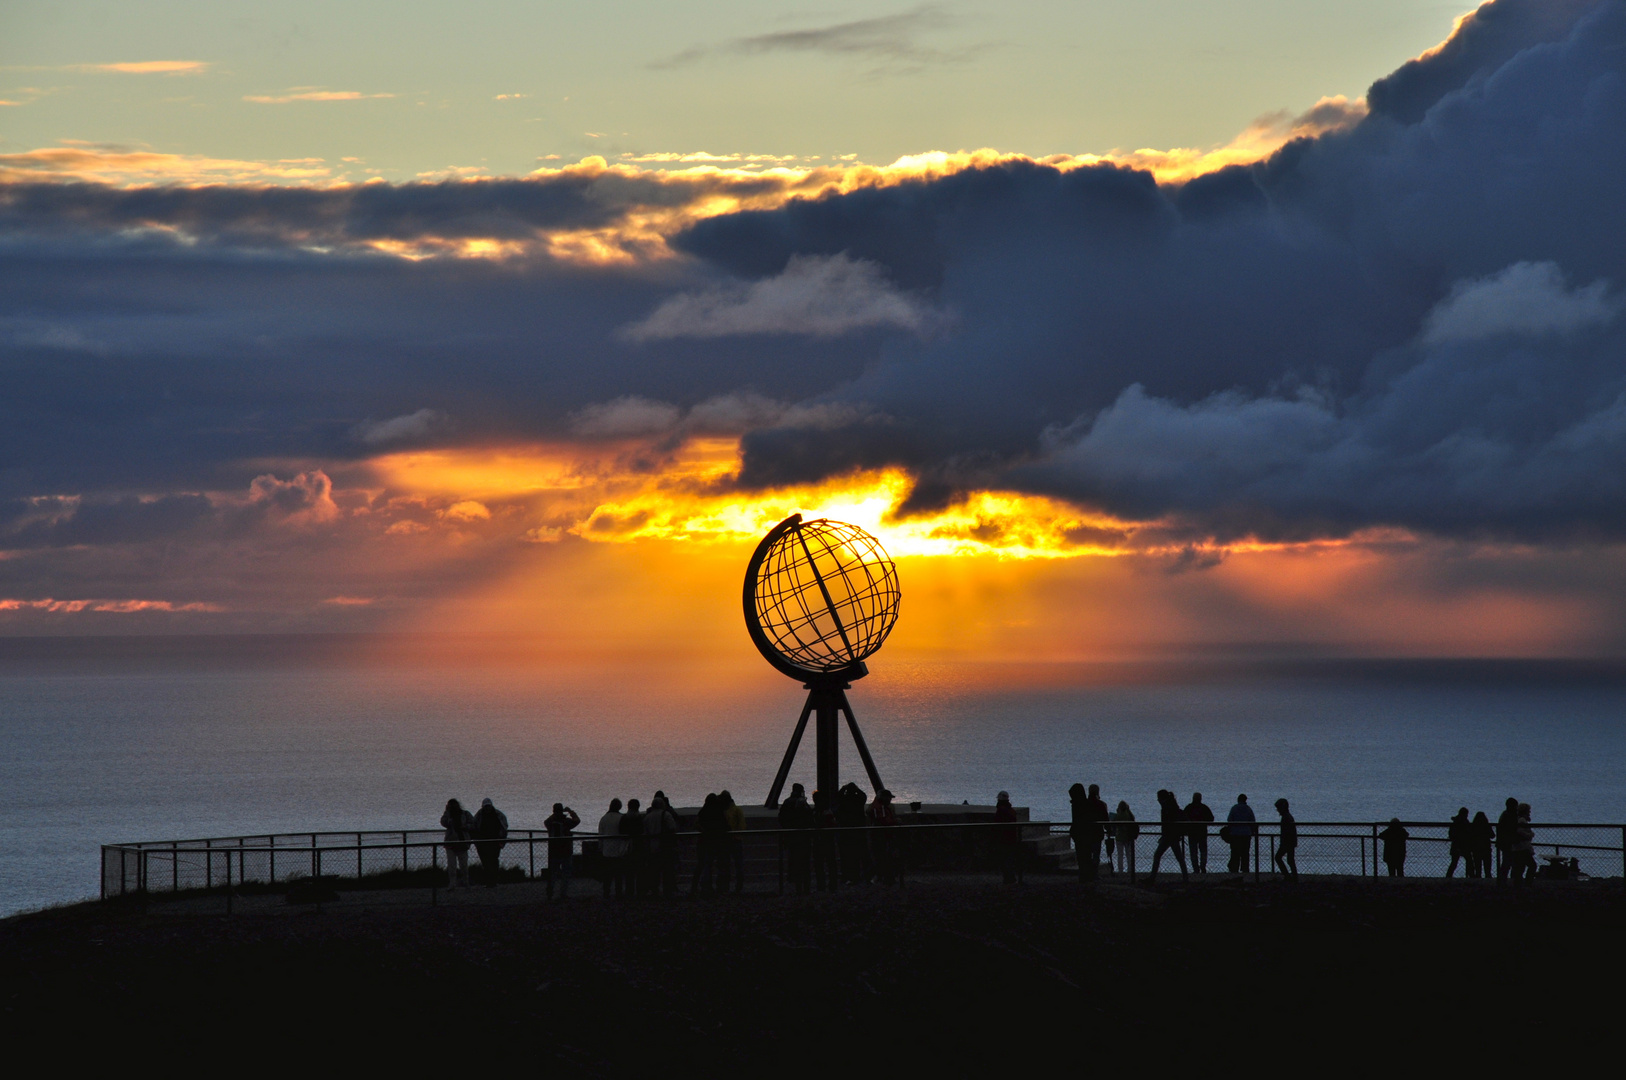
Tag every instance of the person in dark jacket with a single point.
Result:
(637, 868)
(1171, 834)
(1507, 829)
(1287, 844)
(1199, 815)
(490, 828)
(459, 826)
(1088, 830)
(795, 814)
(1458, 833)
(1239, 832)
(1008, 839)
(1481, 836)
(561, 848)
(851, 801)
(711, 844)
(1394, 847)
(661, 829)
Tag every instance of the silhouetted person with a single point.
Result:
(1507, 826)
(1522, 850)
(1087, 831)
(796, 814)
(490, 827)
(882, 818)
(561, 855)
(1126, 832)
(734, 816)
(1198, 816)
(1239, 832)
(637, 865)
(850, 803)
(1287, 844)
(1172, 829)
(711, 845)
(825, 868)
(459, 826)
(1459, 833)
(613, 851)
(1481, 834)
(1008, 839)
(1394, 847)
(661, 829)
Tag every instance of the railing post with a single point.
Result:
(1623, 855)
(271, 844)
(174, 869)
(358, 858)
(434, 873)
(1363, 856)
(228, 883)
(1374, 851)
(404, 867)
(1256, 856)
(208, 864)
(314, 863)
(781, 839)
(530, 843)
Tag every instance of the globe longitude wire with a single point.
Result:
(844, 621)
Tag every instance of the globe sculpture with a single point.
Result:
(820, 599)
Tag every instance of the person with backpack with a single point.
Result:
(660, 829)
(459, 826)
(490, 829)
(561, 848)
(1171, 833)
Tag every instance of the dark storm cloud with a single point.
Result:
(258, 215)
(1414, 320)
(1316, 344)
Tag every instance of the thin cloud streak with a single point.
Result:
(894, 39)
(312, 95)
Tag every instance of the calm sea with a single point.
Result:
(113, 740)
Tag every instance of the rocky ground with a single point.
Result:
(950, 973)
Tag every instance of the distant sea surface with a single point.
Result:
(106, 740)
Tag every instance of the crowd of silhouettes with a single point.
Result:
(847, 838)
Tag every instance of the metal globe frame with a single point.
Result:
(820, 598)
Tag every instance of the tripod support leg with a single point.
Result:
(790, 755)
(858, 740)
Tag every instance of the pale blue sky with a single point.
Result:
(616, 77)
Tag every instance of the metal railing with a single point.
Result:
(776, 859)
